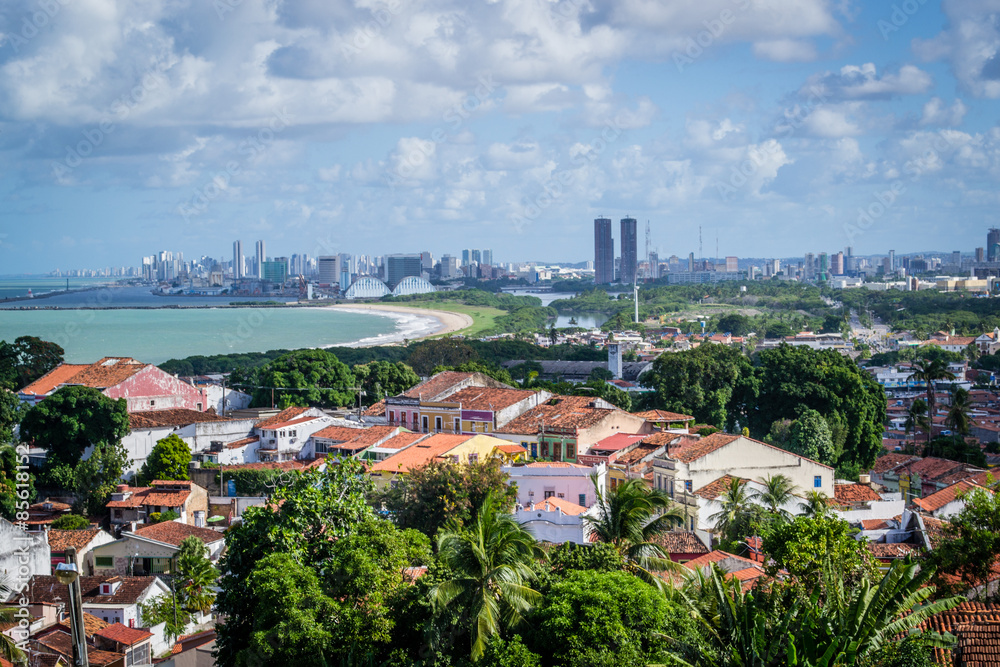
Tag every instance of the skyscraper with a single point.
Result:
(466, 257)
(732, 264)
(654, 266)
(992, 241)
(329, 270)
(401, 266)
(837, 265)
(892, 261)
(630, 258)
(238, 270)
(261, 258)
(604, 252)
(487, 257)
(477, 256)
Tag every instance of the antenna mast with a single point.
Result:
(701, 248)
(649, 263)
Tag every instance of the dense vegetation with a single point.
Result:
(927, 311)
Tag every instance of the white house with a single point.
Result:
(556, 479)
(113, 599)
(284, 436)
(556, 520)
(948, 501)
(153, 549)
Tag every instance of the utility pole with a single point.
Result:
(635, 289)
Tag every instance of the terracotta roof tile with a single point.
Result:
(60, 540)
(291, 422)
(874, 524)
(715, 488)
(887, 462)
(978, 644)
(571, 412)
(934, 529)
(242, 442)
(553, 504)
(966, 613)
(46, 588)
(174, 532)
(510, 449)
(48, 382)
(680, 542)
(401, 440)
(715, 557)
(705, 446)
(855, 493)
(421, 453)
(375, 410)
(616, 442)
(122, 634)
(172, 417)
(337, 433)
(434, 387)
(663, 416)
(59, 640)
(91, 624)
(886, 550)
(489, 398)
(939, 499)
(931, 467)
(283, 416)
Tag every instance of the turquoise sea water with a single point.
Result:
(153, 336)
(18, 286)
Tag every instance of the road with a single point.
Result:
(874, 337)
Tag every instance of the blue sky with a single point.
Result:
(780, 126)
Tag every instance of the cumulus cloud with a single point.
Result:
(785, 50)
(936, 113)
(862, 82)
(970, 43)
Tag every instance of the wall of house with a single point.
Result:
(752, 460)
(199, 436)
(567, 483)
(235, 400)
(12, 540)
(554, 527)
(479, 445)
(617, 421)
(152, 389)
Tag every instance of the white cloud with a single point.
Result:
(936, 113)
(833, 121)
(971, 43)
(785, 50)
(857, 82)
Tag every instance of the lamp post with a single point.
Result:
(67, 573)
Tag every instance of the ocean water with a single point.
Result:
(18, 286)
(155, 335)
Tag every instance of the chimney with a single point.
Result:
(866, 480)
(122, 488)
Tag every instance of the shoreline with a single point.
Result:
(448, 322)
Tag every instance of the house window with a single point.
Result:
(818, 481)
(392, 415)
(571, 451)
(438, 423)
(581, 500)
(321, 447)
(152, 403)
(458, 426)
(534, 450)
(425, 422)
(549, 494)
(687, 485)
(474, 458)
(104, 561)
(545, 450)
(199, 406)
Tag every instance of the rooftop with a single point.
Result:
(46, 588)
(570, 412)
(172, 417)
(855, 493)
(122, 634)
(949, 494)
(107, 372)
(60, 540)
(173, 532)
(421, 453)
(680, 542)
(285, 415)
(663, 416)
(715, 488)
(554, 504)
(489, 398)
(887, 462)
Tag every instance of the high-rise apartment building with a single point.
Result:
(732, 264)
(629, 244)
(238, 265)
(402, 266)
(690, 262)
(993, 245)
(604, 252)
(980, 254)
(477, 256)
(809, 266)
(837, 265)
(466, 257)
(329, 270)
(261, 258)
(892, 261)
(654, 266)
(956, 257)
(487, 257)
(275, 271)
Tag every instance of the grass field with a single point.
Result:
(483, 317)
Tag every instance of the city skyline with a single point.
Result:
(496, 124)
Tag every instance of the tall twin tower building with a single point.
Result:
(604, 251)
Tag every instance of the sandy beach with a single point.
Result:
(449, 322)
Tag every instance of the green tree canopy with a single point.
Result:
(25, 360)
(355, 559)
(711, 382)
(971, 544)
(11, 496)
(11, 411)
(449, 352)
(95, 478)
(71, 522)
(306, 378)
(70, 420)
(197, 575)
(379, 379)
(441, 492)
(168, 460)
(849, 399)
(802, 546)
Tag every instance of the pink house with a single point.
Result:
(143, 386)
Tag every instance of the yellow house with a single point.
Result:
(461, 449)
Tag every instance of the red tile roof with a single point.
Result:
(931, 467)
(356, 439)
(421, 453)
(964, 614)
(243, 442)
(290, 422)
(489, 398)
(663, 416)
(402, 440)
(91, 624)
(510, 449)
(434, 388)
(706, 445)
(939, 499)
(375, 410)
(553, 504)
(46, 588)
(715, 488)
(48, 382)
(173, 532)
(887, 462)
(60, 540)
(172, 417)
(283, 416)
(874, 524)
(571, 412)
(122, 634)
(855, 493)
(680, 542)
(978, 644)
(886, 551)
(337, 433)
(618, 441)
(149, 496)
(715, 557)
(59, 640)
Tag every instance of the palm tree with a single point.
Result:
(735, 503)
(916, 418)
(930, 371)
(957, 418)
(8, 648)
(778, 491)
(629, 517)
(815, 505)
(491, 560)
